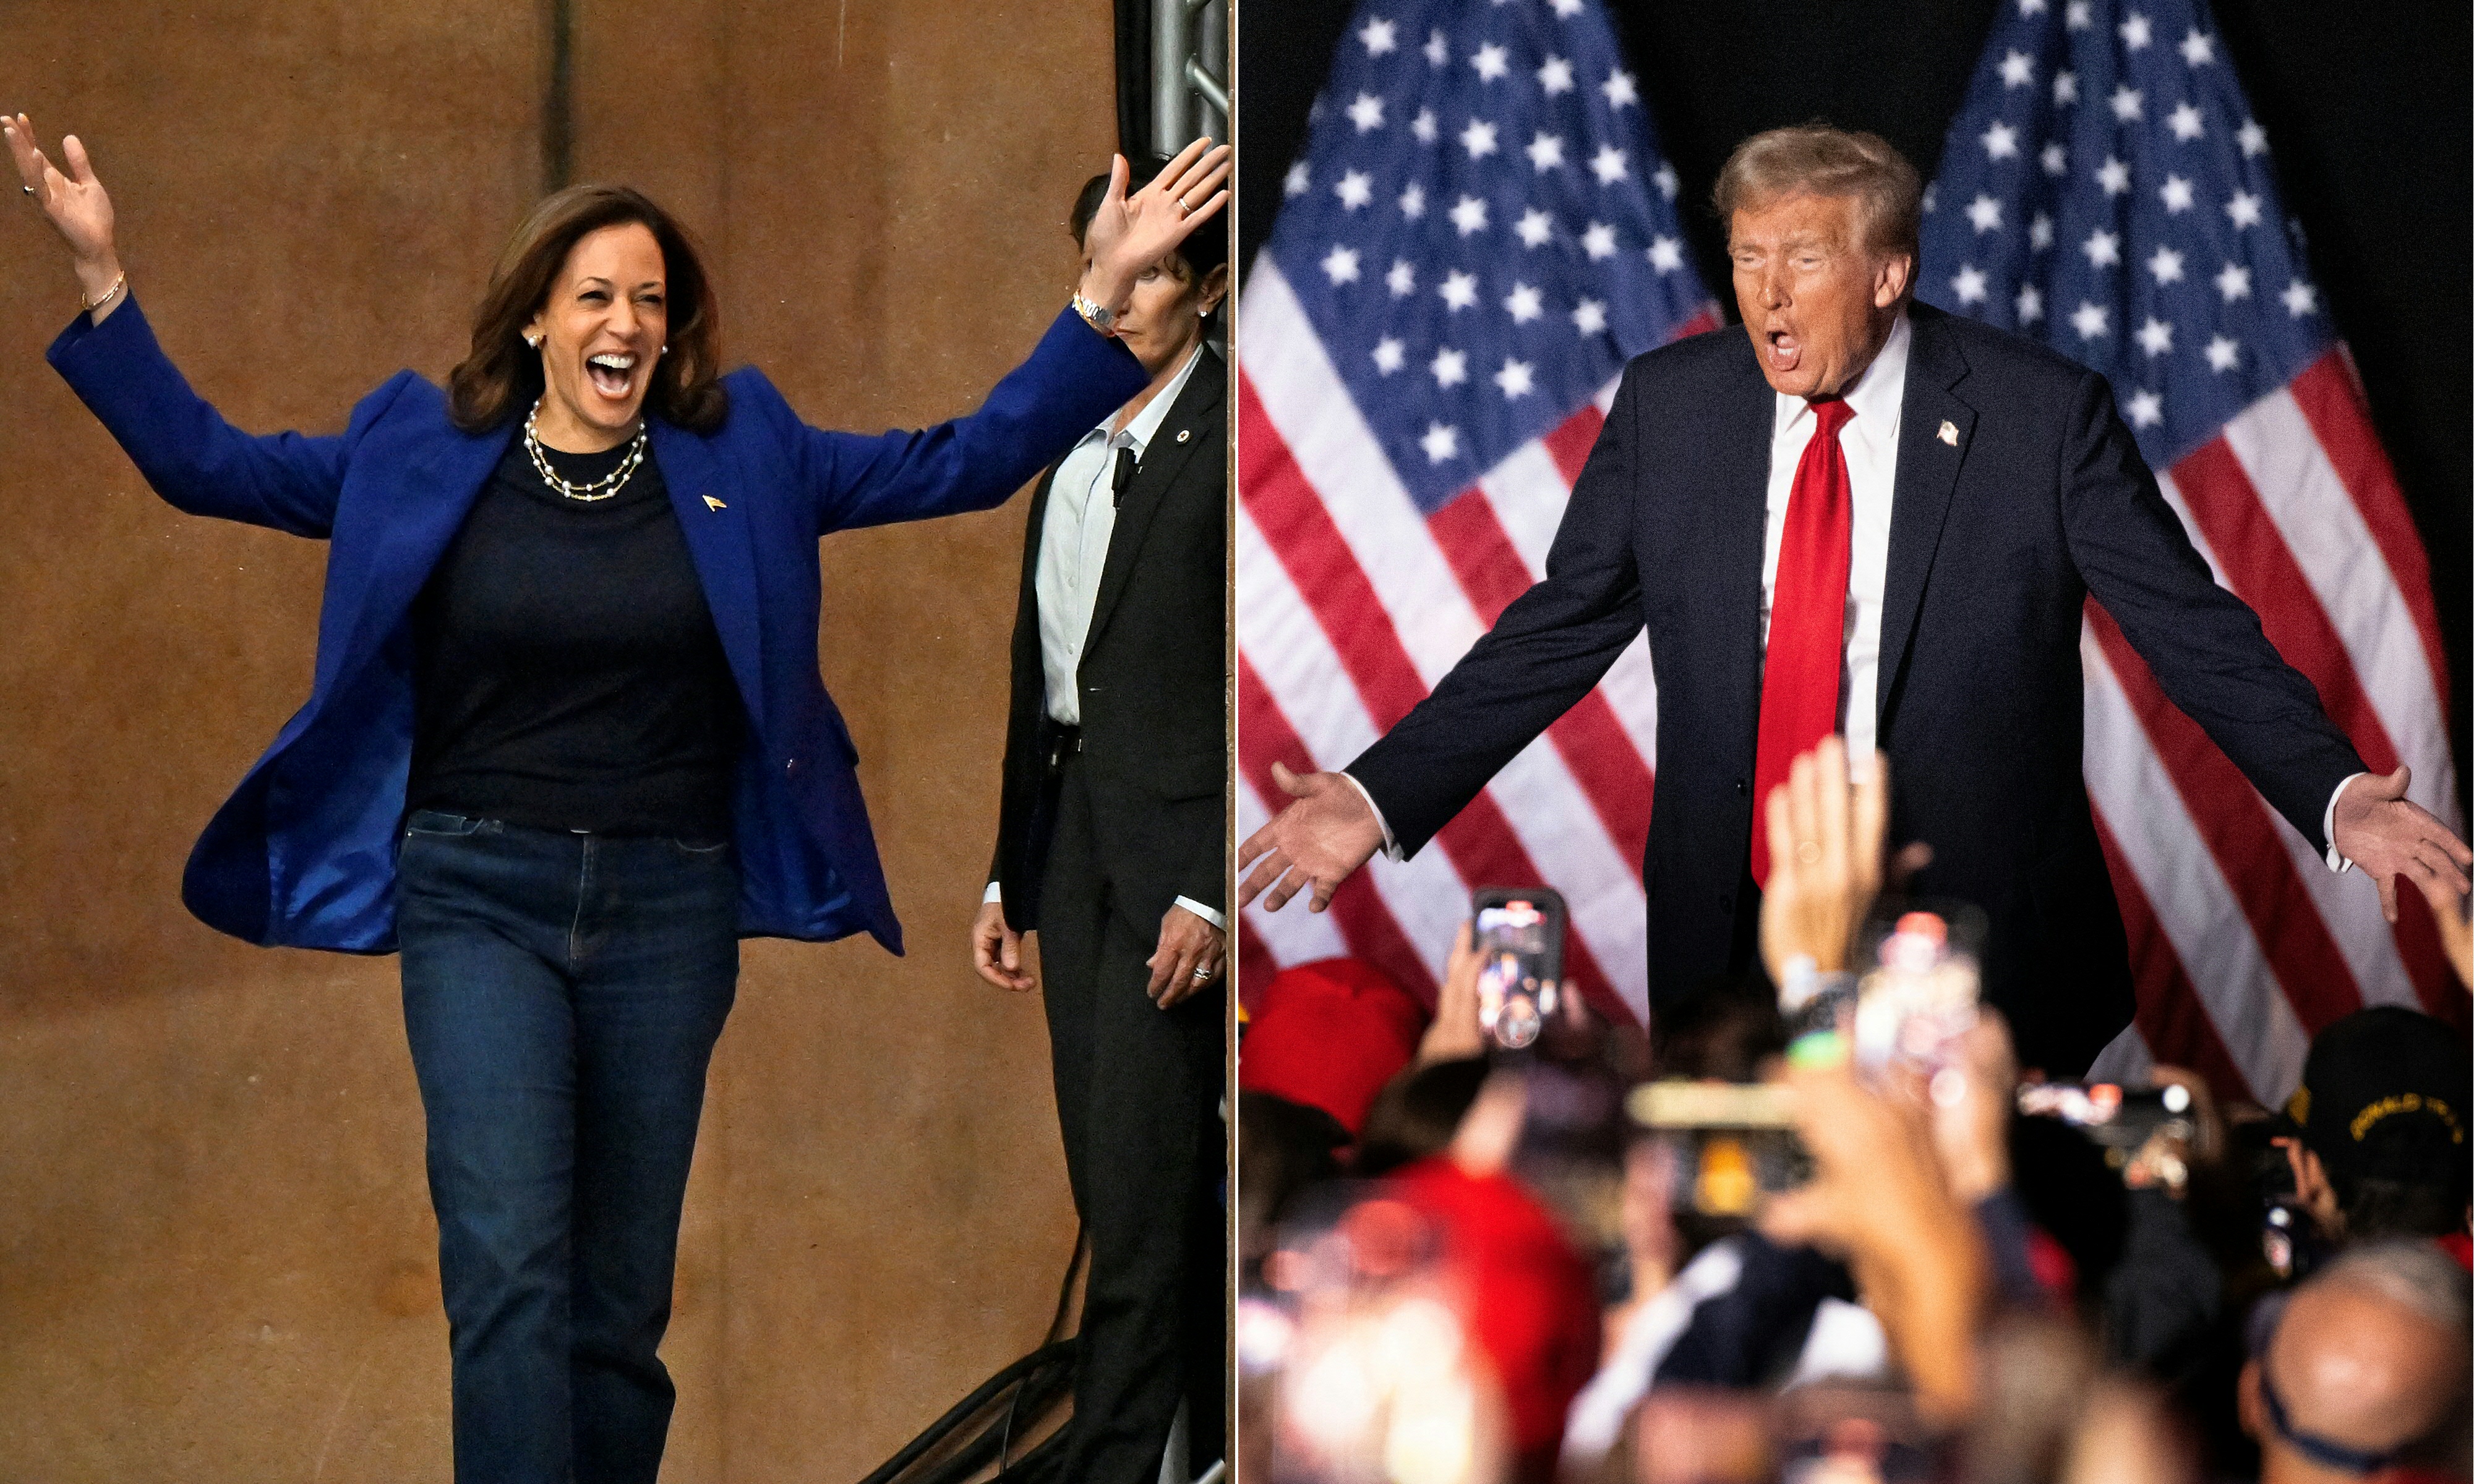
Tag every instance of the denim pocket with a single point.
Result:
(435, 822)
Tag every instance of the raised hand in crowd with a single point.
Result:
(2456, 928)
(1455, 1034)
(1881, 1200)
(1970, 1112)
(1827, 824)
(78, 207)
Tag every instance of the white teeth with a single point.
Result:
(615, 361)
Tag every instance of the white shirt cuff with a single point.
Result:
(996, 893)
(2328, 827)
(1391, 847)
(1205, 913)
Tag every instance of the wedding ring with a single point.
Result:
(1806, 852)
(1202, 974)
(1182, 210)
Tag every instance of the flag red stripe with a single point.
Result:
(2332, 403)
(1301, 535)
(1568, 443)
(1611, 770)
(1489, 568)
(1366, 922)
(1701, 323)
(2261, 567)
(2239, 830)
(2171, 1016)
(1289, 512)
(1599, 754)
(2261, 570)
(1482, 847)
(1255, 965)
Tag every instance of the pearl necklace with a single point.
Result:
(600, 488)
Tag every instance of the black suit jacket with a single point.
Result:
(1995, 545)
(1153, 678)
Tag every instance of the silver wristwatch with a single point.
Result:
(1100, 317)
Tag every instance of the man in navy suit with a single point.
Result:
(1912, 578)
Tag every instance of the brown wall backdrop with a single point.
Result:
(216, 1256)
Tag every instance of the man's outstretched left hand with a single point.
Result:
(2388, 836)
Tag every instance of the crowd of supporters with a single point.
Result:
(1460, 1266)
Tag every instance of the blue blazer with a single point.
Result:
(303, 854)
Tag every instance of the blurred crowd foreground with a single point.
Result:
(1821, 1227)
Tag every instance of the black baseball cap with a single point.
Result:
(2386, 1093)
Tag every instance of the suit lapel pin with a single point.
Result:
(1948, 433)
(717, 505)
(1182, 434)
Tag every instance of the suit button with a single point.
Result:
(790, 768)
(1742, 787)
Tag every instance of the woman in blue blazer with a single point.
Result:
(566, 742)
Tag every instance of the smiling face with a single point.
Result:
(601, 330)
(1818, 301)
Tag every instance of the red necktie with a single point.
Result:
(1808, 618)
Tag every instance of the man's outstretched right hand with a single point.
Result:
(1324, 835)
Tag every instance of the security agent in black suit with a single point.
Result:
(1112, 845)
(2011, 492)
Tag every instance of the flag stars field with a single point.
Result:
(2230, 380)
(1536, 246)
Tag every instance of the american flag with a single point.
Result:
(2107, 191)
(1480, 233)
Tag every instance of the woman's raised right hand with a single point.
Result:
(75, 201)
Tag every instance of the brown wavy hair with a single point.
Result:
(1829, 161)
(502, 375)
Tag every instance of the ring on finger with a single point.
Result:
(1203, 974)
(1182, 210)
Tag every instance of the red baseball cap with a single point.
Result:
(1329, 1034)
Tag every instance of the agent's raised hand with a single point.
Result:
(1129, 232)
(74, 203)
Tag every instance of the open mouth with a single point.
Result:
(612, 373)
(1783, 349)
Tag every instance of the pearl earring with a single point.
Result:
(533, 341)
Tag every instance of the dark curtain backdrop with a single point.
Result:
(2369, 111)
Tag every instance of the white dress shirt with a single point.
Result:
(1073, 553)
(1870, 441)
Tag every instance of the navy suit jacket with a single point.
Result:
(303, 853)
(1996, 543)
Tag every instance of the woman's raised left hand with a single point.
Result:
(1130, 232)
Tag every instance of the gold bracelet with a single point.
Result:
(117, 284)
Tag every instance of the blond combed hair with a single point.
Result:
(1828, 161)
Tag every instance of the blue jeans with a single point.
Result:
(562, 994)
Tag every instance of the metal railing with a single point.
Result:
(1189, 72)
